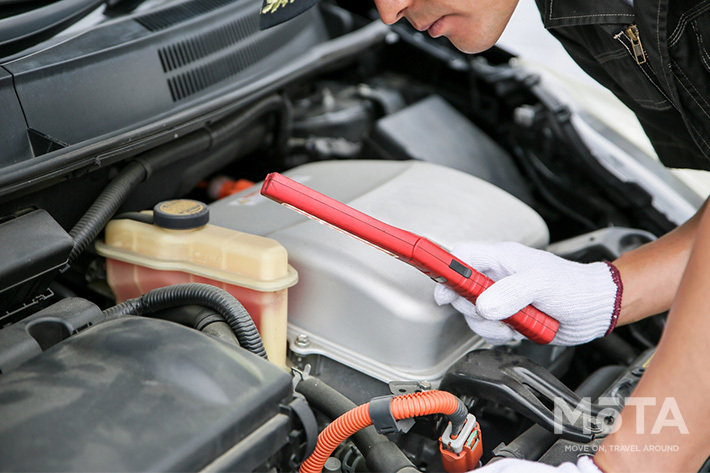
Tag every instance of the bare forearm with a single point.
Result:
(676, 375)
(652, 273)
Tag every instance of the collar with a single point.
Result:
(560, 13)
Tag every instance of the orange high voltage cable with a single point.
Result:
(401, 407)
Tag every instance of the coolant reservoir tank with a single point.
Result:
(181, 247)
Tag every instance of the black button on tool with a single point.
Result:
(461, 269)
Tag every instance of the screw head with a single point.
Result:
(302, 341)
(425, 385)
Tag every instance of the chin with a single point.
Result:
(462, 38)
(472, 47)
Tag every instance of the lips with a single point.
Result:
(433, 27)
(422, 26)
(436, 29)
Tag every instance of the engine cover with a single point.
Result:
(359, 306)
(136, 395)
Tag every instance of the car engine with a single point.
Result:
(158, 313)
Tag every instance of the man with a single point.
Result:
(660, 81)
(653, 54)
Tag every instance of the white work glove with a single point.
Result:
(509, 465)
(584, 298)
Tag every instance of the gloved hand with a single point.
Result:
(510, 465)
(584, 298)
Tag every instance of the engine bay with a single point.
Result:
(121, 198)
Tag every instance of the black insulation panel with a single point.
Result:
(434, 131)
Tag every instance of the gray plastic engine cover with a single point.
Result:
(136, 394)
(359, 306)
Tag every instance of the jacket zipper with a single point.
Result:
(632, 32)
(631, 40)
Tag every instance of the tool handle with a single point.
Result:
(534, 324)
(428, 257)
(313, 204)
(469, 284)
(529, 321)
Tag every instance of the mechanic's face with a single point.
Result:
(471, 25)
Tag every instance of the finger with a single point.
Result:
(443, 295)
(464, 306)
(492, 331)
(506, 297)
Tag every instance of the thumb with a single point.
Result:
(506, 297)
(483, 257)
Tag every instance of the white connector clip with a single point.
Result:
(456, 445)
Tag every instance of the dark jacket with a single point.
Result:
(654, 56)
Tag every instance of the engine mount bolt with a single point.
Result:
(594, 426)
(302, 341)
(426, 385)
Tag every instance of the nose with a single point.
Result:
(392, 11)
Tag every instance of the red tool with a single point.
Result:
(431, 259)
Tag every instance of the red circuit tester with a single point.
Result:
(431, 259)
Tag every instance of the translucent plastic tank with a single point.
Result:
(254, 269)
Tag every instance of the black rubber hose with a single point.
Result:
(194, 316)
(221, 331)
(212, 136)
(224, 130)
(614, 348)
(137, 216)
(530, 445)
(458, 418)
(101, 211)
(116, 192)
(200, 318)
(599, 381)
(380, 453)
(197, 294)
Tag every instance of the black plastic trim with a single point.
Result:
(30, 27)
(124, 143)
